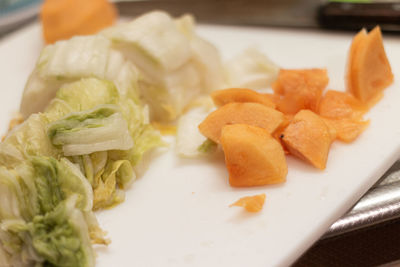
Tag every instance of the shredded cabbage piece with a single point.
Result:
(251, 69)
(188, 138)
(175, 64)
(82, 133)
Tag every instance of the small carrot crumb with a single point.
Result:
(251, 203)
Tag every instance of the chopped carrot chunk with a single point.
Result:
(251, 203)
(63, 19)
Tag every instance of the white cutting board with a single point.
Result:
(177, 214)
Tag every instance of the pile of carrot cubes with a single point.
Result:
(257, 130)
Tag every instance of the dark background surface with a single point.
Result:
(373, 246)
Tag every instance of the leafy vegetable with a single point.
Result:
(65, 61)
(208, 61)
(72, 60)
(59, 60)
(60, 237)
(27, 139)
(37, 223)
(144, 135)
(106, 192)
(100, 129)
(68, 180)
(251, 69)
(88, 93)
(188, 138)
(207, 146)
(81, 95)
(155, 44)
(175, 65)
(83, 149)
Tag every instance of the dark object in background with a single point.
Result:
(354, 16)
(286, 13)
(374, 246)
(278, 13)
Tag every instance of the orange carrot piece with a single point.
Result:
(63, 19)
(369, 70)
(240, 95)
(252, 156)
(251, 203)
(300, 89)
(309, 138)
(350, 67)
(246, 113)
(337, 105)
(347, 129)
(278, 133)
